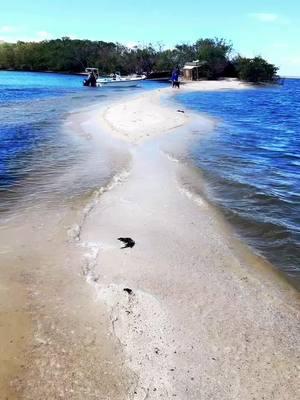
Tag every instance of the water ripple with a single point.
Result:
(252, 165)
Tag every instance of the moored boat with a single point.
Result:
(116, 80)
(112, 80)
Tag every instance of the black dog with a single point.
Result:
(128, 242)
(176, 84)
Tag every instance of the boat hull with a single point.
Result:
(119, 83)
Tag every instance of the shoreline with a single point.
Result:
(200, 322)
(240, 245)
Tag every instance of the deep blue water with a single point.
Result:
(35, 149)
(252, 165)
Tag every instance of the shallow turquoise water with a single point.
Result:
(252, 165)
(39, 155)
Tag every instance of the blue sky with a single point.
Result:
(270, 28)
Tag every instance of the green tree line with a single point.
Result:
(74, 55)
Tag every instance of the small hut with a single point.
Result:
(192, 70)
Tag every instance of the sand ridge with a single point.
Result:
(141, 117)
(200, 322)
(147, 115)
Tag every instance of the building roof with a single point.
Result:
(190, 66)
(194, 64)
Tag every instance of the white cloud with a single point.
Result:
(24, 37)
(269, 18)
(265, 17)
(71, 36)
(8, 29)
(132, 45)
(43, 35)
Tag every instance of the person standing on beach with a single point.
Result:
(175, 78)
(93, 79)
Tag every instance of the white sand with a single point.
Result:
(205, 321)
(225, 84)
(146, 116)
(142, 117)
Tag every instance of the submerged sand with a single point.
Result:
(203, 319)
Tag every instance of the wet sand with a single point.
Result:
(201, 322)
(204, 319)
(15, 327)
(67, 349)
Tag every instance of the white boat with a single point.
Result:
(116, 80)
